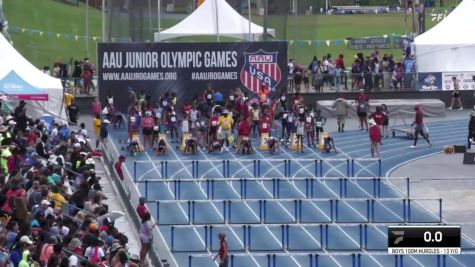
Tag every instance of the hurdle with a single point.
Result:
(276, 185)
(296, 213)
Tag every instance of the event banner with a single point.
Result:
(466, 80)
(370, 43)
(430, 81)
(189, 68)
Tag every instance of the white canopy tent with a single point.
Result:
(12, 60)
(216, 18)
(450, 45)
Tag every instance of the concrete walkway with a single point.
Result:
(115, 203)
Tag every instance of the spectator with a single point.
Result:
(142, 209)
(96, 107)
(57, 197)
(118, 167)
(145, 236)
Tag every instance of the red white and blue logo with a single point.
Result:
(260, 68)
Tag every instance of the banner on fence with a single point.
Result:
(465, 80)
(370, 43)
(189, 68)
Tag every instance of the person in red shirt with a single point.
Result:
(244, 131)
(16, 191)
(266, 122)
(375, 138)
(419, 127)
(118, 167)
(378, 116)
(141, 208)
(361, 97)
(223, 251)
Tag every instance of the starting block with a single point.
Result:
(294, 143)
(183, 141)
(135, 137)
(264, 138)
(321, 142)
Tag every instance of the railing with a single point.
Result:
(77, 85)
(127, 190)
(349, 81)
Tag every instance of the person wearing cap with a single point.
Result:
(142, 209)
(375, 138)
(419, 127)
(16, 253)
(226, 124)
(44, 209)
(223, 251)
(471, 129)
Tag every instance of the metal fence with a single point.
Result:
(349, 81)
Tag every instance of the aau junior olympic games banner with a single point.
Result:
(187, 68)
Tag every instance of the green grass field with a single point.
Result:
(52, 16)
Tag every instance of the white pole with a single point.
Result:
(217, 19)
(87, 28)
(159, 18)
(249, 15)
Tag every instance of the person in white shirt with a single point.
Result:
(290, 77)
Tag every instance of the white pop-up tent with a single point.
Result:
(450, 45)
(11, 61)
(216, 18)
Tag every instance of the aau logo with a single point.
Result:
(260, 68)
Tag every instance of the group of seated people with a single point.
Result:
(51, 203)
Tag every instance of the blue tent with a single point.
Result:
(13, 85)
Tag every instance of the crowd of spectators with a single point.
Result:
(51, 203)
(371, 72)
